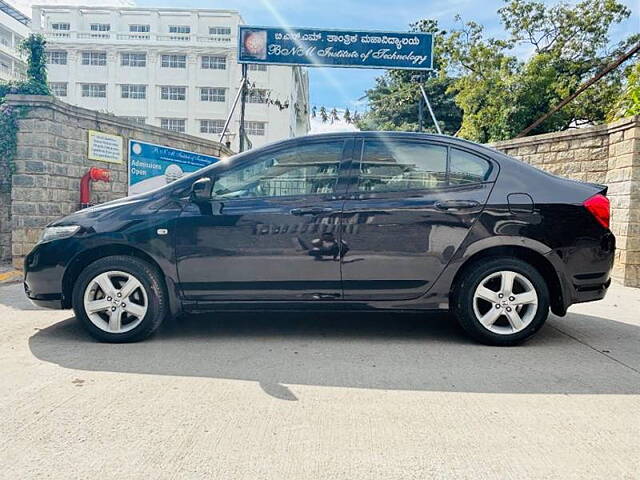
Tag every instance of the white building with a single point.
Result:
(171, 68)
(14, 27)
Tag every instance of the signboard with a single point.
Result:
(335, 48)
(153, 166)
(105, 147)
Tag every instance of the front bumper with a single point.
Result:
(44, 269)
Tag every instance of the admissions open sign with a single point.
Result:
(335, 48)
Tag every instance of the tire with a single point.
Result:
(101, 307)
(473, 298)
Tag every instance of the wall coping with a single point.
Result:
(576, 133)
(52, 103)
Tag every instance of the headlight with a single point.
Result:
(57, 233)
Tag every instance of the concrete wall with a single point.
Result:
(52, 158)
(607, 154)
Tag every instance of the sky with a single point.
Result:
(340, 87)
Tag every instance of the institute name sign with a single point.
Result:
(335, 48)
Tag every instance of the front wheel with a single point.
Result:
(503, 301)
(119, 299)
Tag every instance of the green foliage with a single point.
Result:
(495, 93)
(629, 103)
(8, 135)
(35, 84)
(394, 98)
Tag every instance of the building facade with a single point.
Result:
(171, 68)
(14, 27)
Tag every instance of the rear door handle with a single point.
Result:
(457, 204)
(311, 210)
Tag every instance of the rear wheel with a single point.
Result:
(502, 301)
(119, 299)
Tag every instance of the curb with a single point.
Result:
(11, 276)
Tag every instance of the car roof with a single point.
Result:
(412, 135)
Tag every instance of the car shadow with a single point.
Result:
(372, 350)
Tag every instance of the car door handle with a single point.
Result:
(457, 204)
(311, 210)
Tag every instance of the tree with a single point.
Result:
(347, 115)
(334, 115)
(485, 92)
(394, 98)
(629, 102)
(323, 115)
(36, 83)
(313, 112)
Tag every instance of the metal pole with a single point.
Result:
(233, 109)
(243, 102)
(433, 116)
(421, 107)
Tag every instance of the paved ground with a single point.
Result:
(320, 396)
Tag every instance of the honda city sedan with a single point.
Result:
(344, 221)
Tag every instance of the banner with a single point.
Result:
(153, 166)
(335, 48)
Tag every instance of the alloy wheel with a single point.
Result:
(115, 301)
(505, 302)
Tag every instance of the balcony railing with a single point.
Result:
(182, 38)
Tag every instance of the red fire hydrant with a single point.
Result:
(93, 175)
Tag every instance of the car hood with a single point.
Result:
(90, 215)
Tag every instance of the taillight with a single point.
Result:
(598, 206)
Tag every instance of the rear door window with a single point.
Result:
(466, 168)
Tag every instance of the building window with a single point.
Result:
(209, 94)
(95, 90)
(257, 67)
(100, 27)
(133, 59)
(139, 28)
(135, 92)
(212, 62)
(179, 29)
(211, 126)
(219, 30)
(255, 128)
(136, 120)
(174, 124)
(257, 95)
(173, 93)
(94, 58)
(61, 26)
(57, 57)
(59, 89)
(174, 61)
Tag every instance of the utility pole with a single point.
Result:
(243, 101)
(421, 106)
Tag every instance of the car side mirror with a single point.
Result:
(201, 190)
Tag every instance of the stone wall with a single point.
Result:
(607, 154)
(52, 158)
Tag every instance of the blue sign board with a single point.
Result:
(153, 166)
(335, 48)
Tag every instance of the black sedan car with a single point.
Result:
(341, 221)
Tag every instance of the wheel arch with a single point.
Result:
(533, 257)
(89, 256)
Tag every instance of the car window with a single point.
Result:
(393, 165)
(465, 168)
(301, 170)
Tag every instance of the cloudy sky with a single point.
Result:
(343, 87)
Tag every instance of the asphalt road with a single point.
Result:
(318, 396)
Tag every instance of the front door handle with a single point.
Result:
(457, 204)
(311, 210)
